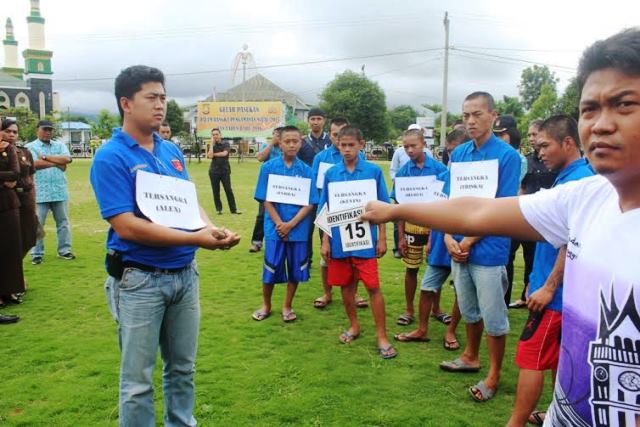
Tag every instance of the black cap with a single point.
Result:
(315, 111)
(504, 123)
(45, 124)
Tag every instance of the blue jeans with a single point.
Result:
(480, 290)
(434, 278)
(156, 309)
(63, 229)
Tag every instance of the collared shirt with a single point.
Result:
(312, 146)
(51, 183)
(430, 167)
(329, 155)
(400, 158)
(300, 233)
(546, 254)
(538, 176)
(274, 153)
(492, 250)
(338, 173)
(221, 164)
(113, 177)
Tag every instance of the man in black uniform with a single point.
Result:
(220, 171)
(317, 140)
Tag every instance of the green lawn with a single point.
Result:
(61, 360)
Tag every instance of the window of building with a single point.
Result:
(40, 66)
(76, 137)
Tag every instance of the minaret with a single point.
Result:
(11, 52)
(37, 62)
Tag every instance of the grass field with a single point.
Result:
(61, 360)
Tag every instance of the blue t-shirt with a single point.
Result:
(492, 250)
(439, 255)
(546, 254)
(113, 178)
(430, 167)
(329, 155)
(274, 153)
(338, 173)
(300, 233)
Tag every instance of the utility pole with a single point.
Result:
(443, 114)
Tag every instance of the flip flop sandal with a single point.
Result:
(450, 345)
(536, 419)
(260, 315)
(405, 319)
(405, 337)
(387, 353)
(347, 337)
(458, 365)
(443, 318)
(485, 392)
(362, 303)
(321, 302)
(289, 317)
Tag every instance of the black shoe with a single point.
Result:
(8, 318)
(219, 212)
(396, 254)
(255, 248)
(67, 256)
(36, 260)
(13, 300)
(237, 213)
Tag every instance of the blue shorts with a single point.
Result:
(434, 278)
(296, 255)
(480, 290)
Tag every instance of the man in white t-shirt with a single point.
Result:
(598, 218)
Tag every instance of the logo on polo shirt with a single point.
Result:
(177, 165)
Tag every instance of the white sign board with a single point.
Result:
(168, 201)
(475, 179)
(288, 189)
(322, 170)
(351, 194)
(416, 189)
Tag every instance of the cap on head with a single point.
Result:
(414, 126)
(504, 123)
(315, 111)
(45, 124)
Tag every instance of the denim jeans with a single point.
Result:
(156, 309)
(480, 290)
(63, 229)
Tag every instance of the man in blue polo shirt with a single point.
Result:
(539, 346)
(152, 288)
(482, 167)
(317, 140)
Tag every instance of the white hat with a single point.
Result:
(414, 126)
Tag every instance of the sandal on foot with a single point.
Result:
(405, 319)
(321, 302)
(450, 345)
(481, 388)
(537, 418)
(361, 302)
(458, 365)
(347, 337)
(407, 337)
(443, 318)
(260, 315)
(289, 316)
(387, 353)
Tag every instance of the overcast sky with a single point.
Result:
(195, 42)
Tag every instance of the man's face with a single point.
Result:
(165, 132)
(45, 133)
(609, 124)
(147, 106)
(290, 143)
(349, 147)
(10, 134)
(413, 146)
(275, 138)
(532, 136)
(316, 123)
(334, 130)
(216, 137)
(553, 153)
(450, 146)
(478, 120)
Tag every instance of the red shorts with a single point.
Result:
(342, 271)
(539, 345)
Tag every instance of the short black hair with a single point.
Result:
(561, 126)
(536, 123)
(352, 131)
(413, 132)
(514, 137)
(458, 122)
(131, 79)
(6, 123)
(278, 130)
(620, 52)
(339, 121)
(457, 135)
(290, 128)
(491, 103)
(165, 124)
(218, 129)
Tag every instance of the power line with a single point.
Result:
(518, 50)
(483, 54)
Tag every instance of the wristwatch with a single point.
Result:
(44, 157)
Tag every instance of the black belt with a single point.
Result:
(152, 269)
